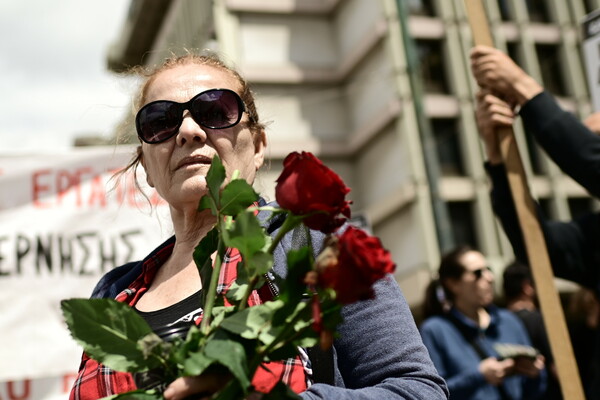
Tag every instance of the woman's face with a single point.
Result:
(177, 167)
(475, 288)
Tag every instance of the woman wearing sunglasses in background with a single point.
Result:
(191, 109)
(481, 350)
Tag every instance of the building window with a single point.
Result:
(538, 11)
(431, 62)
(580, 206)
(546, 207)
(504, 8)
(590, 5)
(463, 223)
(445, 132)
(551, 68)
(421, 7)
(512, 49)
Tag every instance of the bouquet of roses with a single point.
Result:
(233, 338)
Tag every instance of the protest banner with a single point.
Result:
(63, 223)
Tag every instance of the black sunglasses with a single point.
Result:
(478, 273)
(214, 109)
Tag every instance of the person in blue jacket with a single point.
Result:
(473, 344)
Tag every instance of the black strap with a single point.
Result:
(471, 339)
(321, 360)
(322, 364)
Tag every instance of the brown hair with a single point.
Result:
(438, 297)
(212, 60)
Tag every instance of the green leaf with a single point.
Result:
(231, 354)
(136, 395)
(215, 178)
(196, 363)
(247, 235)
(202, 257)
(232, 391)
(293, 287)
(207, 203)
(249, 322)
(281, 391)
(236, 292)
(289, 350)
(110, 332)
(206, 247)
(236, 197)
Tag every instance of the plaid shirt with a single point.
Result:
(96, 380)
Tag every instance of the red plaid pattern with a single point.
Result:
(95, 381)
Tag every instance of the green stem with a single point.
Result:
(277, 341)
(212, 288)
(291, 221)
(248, 292)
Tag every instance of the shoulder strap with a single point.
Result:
(471, 339)
(468, 336)
(321, 360)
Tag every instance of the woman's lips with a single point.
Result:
(193, 160)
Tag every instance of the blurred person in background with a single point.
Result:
(584, 319)
(473, 343)
(521, 299)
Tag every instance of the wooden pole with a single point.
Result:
(537, 252)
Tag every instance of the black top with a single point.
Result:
(184, 312)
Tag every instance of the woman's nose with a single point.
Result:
(190, 131)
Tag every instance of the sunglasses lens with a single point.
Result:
(217, 109)
(478, 273)
(158, 121)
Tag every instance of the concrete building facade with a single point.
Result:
(381, 91)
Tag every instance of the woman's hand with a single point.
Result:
(200, 387)
(495, 371)
(531, 368)
(203, 386)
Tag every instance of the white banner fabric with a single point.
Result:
(63, 223)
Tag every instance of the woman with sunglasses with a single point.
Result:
(481, 350)
(191, 109)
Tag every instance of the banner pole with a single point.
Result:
(537, 252)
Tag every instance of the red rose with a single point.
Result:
(307, 186)
(361, 260)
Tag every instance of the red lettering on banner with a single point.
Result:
(84, 187)
(24, 393)
(64, 182)
(98, 194)
(39, 189)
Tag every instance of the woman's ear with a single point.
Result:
(260, 145)
(142, 161)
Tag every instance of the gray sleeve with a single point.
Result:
(380, 354)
